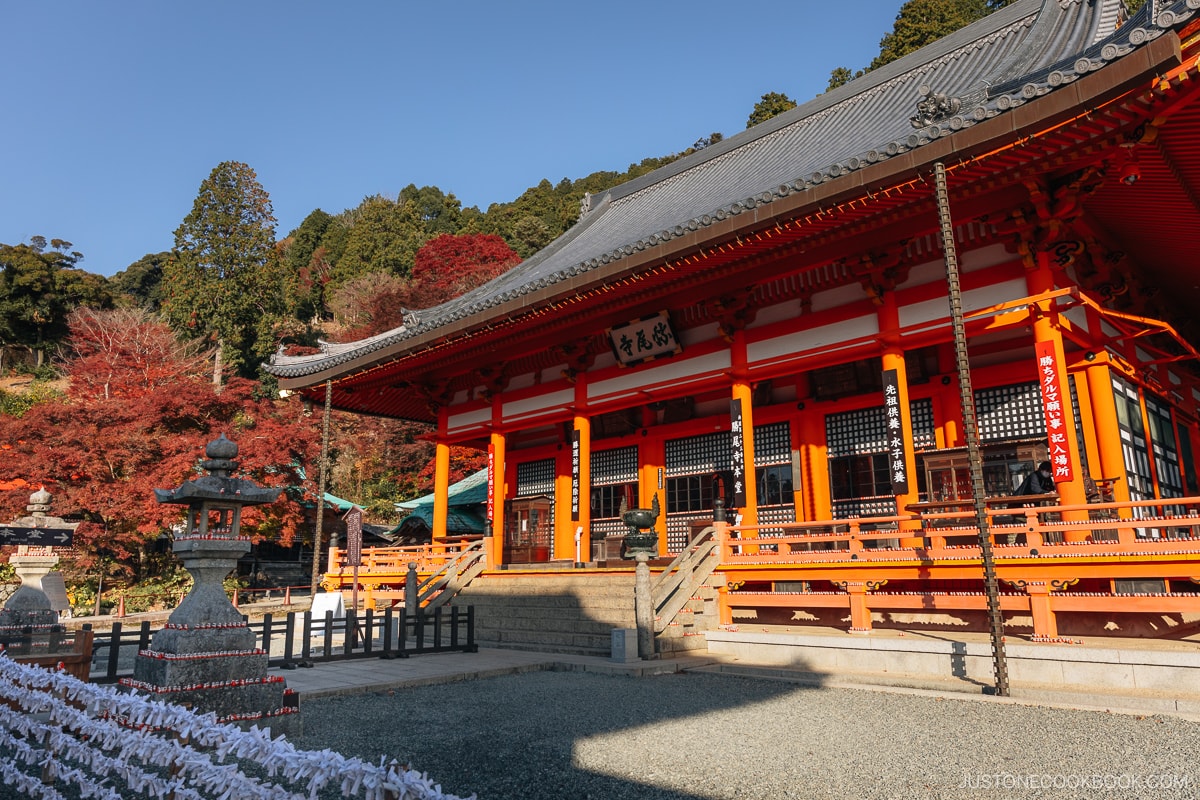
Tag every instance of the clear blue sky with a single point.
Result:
(116, 111)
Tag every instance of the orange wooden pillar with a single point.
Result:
(742, 394)
(498, 493)
(860, 613)
(582, 491)
(815, 459)
(947, 402)
(652, 481)
(1104, 421)
(893, 359)
(562, 529)
(441, 484)
(1044, 621)
(1046, 330)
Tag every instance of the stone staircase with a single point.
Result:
(574, 613)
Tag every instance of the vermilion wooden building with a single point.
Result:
(779, 299)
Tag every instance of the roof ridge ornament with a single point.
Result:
(934, 107)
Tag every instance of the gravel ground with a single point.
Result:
(575, 735)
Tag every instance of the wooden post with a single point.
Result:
(860, 614)
(1044, 622)
(316, 565)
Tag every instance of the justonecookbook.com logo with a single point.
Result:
(1110, 782)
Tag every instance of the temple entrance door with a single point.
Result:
(528, 529)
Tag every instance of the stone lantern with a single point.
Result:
(29, 607)
(641, 543)
(205, 656)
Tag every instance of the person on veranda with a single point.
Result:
(1040, 481)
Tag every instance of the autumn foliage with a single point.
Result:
(137, 413)
(448, 266)
(445, 267)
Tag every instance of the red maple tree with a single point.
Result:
(137, 414)
(445, 267)
(448, 266)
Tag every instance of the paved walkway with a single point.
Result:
(360, 675)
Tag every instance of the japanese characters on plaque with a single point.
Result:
(643, 339)
(354, 531)
(895, 431)
(575, 476)
(1058, 426)
(491, 484)
(738, 451)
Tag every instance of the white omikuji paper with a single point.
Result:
(82, 723)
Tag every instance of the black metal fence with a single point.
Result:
(299, 640)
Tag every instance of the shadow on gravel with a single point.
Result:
(561, 734)
(554, 735)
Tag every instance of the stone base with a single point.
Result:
(203, 640)
(173, 670)
(202, 672)
(38, 620)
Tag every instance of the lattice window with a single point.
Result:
(865, 430)
(619, 465)
(856, 432)
(535, 477)
(679, 529)
(712, 452)
(1166, 453)
(769, 514)
(923, 430)
(859, 478)
(1133, 443)
(1010, 412)
(864, 507)
(772, 444)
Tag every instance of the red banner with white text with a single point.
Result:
(1060, 422)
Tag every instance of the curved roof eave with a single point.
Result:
(1024, 51)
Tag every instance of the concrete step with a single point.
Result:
(574, 613)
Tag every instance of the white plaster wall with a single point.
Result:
(825, 337)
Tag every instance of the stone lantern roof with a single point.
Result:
(219, 486)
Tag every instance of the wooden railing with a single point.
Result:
(395, 560)
(1041, 555)
(1168, 524)
(675, 585)
(69, 650)
(443, 569)
(446, 581)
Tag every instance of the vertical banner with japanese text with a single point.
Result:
(354, 532)
(1058, 424)
(738, 451)
(575, 476)
(491, 483)
(897, 434)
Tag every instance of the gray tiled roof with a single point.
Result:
(1021, 52)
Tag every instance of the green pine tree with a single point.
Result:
(225, 282)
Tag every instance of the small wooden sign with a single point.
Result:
(354, 531)
(644, 339)
(41, 537)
